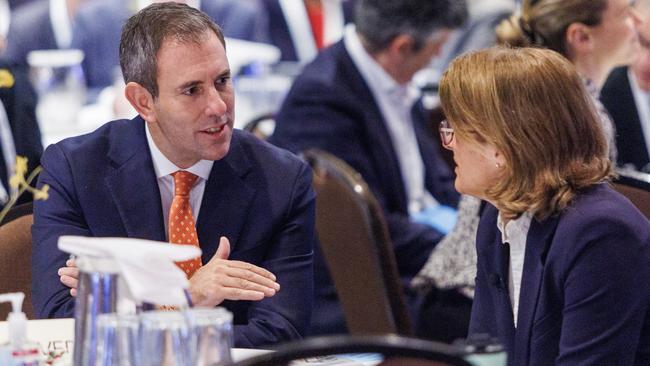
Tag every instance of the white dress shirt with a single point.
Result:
(515, 232)
(8, 150)
(164, 168)
(642, 101)
(61, 23)
(395, 102)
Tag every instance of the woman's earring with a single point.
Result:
(498, 165)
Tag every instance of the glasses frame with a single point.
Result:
(446, 133)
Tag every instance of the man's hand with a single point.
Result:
(222, 279)
(69, 276)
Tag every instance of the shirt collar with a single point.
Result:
(514, 228)
(373, 73)
(163, 167)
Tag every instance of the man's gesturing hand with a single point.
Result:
(222, 279)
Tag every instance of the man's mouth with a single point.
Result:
(214, 129)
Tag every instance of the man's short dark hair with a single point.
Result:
(380, 21)
(144, 33)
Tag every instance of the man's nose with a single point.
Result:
(215, 103)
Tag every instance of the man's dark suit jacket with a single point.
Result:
(20, 104)
(618, 98)
(585, 290)
(30, 29)
(260, 197)
(98, 26)
(330, 107)
(279, 29)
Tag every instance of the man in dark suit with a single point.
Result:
(626, 95)
(355, 101)
(18, 99)
(292, 31)
(121, 180)
(40, 26)
(98, 26)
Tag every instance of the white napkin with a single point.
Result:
(146, 266)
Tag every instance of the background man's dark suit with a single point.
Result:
(20, 104)
(585, 290)
(330, 107)
(30, 29)
(279, 29)
(259, 197)
(618, 98)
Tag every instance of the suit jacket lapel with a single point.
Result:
(226, 201)
(381, 144)
(497, 265)
(133, 185)
(539, 239)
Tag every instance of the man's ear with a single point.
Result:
(141, 100)
(402, 46)
(578, 39)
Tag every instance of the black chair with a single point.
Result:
(636, 187)
(354, 239)
(261, 126)
(15, 260)
(394, 350)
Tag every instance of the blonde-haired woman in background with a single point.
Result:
(595, 35)
(563, 273)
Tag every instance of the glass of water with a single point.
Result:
(166, 339)
(211, 330)
(118, 340)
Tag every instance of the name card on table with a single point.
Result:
(54, 336)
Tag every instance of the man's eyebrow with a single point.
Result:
(190, 84)
(225, 72)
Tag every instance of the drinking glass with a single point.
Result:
(118, 340)
(166, 339)
(211, 329)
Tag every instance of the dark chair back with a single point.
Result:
(393, 350)
(636, 187)
(357, 248)
(261, 126)
(15, 260)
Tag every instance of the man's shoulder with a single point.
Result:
(332, 68)
(111, 136)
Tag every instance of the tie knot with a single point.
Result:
(183, 182)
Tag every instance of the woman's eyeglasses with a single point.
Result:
(446, 134)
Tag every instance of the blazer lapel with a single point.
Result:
(226, 201)
(133, 185)
(497, 264)
(537, 244)
(383, 154)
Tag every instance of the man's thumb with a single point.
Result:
(223, 251)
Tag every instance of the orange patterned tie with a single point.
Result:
(182, 229)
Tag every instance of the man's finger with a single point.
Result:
(251, 267)
(223, 251)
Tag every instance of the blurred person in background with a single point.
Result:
(356, 101)
(98, 26)
(300, 28)
(626, 95)
(595, 35)
(563, 273)
(19, 131)
(40, 25)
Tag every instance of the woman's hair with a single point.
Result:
(544, 23)
(533, 107)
